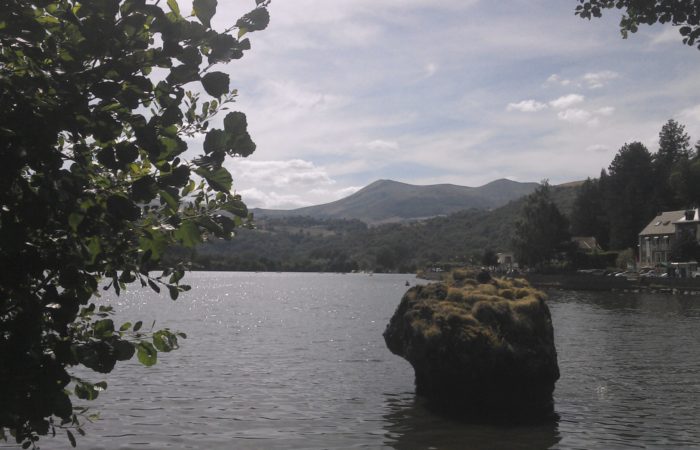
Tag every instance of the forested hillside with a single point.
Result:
(309, 244)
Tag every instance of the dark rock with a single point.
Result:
(483, 351)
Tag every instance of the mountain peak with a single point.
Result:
(386, 201)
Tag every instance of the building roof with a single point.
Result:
(586, 242)
(692, 218)
(663, 223)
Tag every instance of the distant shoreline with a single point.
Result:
(583, 282)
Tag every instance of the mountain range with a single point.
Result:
(305, 243)
(387, 201)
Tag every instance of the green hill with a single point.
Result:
(387, 201)
(339, 245)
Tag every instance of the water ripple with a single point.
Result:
(281, 361)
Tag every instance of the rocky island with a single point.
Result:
(481, 348)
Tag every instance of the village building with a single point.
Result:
(588, 244)
(656, 239)
(506, 259)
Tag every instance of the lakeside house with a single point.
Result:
(506, 259)
(588, 244)
(656, 239)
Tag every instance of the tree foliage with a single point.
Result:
(684, 181)
(636, 186)
(489, 258)
(682, 13)
(685, 248)
(542, 230)
(674, 152)
(628, 193)
(674, 144)
(95, 104)
(588, 217)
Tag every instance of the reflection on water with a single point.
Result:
(410, 425)
(630, 369)
(277, 361)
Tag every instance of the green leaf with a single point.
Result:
(144, 189)
(256, 20)
(123, 350)
(71, 438)
(146, 353)
(138, 325)
(94, 247)
(154, 286)
(241, 145)
(174, 7)
(174, 292)
(154, 242)
(188, 234)
(125, 326)
(235, 123)
(164, 341)
(103, 328)
(62, 406)
(169, 199)
(74, 220)
(86, 391)
(205, 10)
(219, 179)
(215, 141)
(237, 207)
(216, 83)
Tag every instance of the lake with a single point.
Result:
(290, 360)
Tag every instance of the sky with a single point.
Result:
(341, 93)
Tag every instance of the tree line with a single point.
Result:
(614, 208)
(636, 186)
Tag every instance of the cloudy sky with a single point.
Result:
(340, 93)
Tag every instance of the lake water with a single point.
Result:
(298, 361)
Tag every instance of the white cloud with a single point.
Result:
(344, 87)
(578, 116)
(598, 148)
(336, 193)
(574, 115)
(667, 35)
(567, 101)
(692, 114)
(288, 96)
(379, 144)
(690, 117)
(280, 174)
(556, 79)
(605, 111)
(526, 106)
(285, 184)
(256, 198)
(430, 69)
(596, 80)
